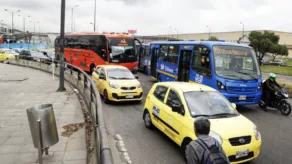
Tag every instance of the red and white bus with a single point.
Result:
(87, 50)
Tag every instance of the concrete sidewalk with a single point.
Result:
(21, 88)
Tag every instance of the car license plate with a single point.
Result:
(129, 96)
(242, 97)
(242, 153)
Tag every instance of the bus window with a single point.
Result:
(163, 53)
(172, 54)
(201, 61)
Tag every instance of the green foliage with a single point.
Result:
(266, 42)
(213, 38)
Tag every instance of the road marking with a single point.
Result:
(122, 149)
(145, 85)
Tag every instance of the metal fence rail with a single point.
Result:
(86, 87)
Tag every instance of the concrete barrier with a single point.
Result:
(101, 154)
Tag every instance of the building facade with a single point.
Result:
(285, 37)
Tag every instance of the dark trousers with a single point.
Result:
(268, 95)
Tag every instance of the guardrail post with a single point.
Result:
(85, 81)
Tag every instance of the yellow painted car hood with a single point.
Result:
(232, 127)
(133, 82)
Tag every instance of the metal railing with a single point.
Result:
(87, 88)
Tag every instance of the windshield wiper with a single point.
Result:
(201, 115)
(236, 76)
(113, 77)
(125, 78)
(224, 114)
(245, 73)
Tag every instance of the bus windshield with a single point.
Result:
(235, 62)
(123, 50)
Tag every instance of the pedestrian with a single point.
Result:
(206, 149)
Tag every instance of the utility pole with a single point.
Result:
(242, 28)
(94, 14)
(12, 19)
(209, 31)
(72, 19)
(62, 31)
(23, 22)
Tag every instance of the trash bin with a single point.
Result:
(45, 113)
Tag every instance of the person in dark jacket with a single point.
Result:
(195, 152)
(269, 87)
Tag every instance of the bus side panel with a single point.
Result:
(166, 71)
(82, 58)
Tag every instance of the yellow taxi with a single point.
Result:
(117, 83)
(172, 107)
(4, 56)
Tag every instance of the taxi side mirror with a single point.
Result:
(102, 77)
(233, 105)
(177, 108)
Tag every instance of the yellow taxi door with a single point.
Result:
(175, 120)
(2, 56)
(157, 112)
(95, 76)
(101, 81)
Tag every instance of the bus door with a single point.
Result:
(201, 71)
(140, 59)
(184, 63)
(154, 56)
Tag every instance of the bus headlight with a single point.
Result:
(216, 136)
(220, 85)
(113, 85)
(257, 134)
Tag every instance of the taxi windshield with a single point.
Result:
(122, 74)
(208, 104)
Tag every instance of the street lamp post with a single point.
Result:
(209, 31)
(62, 38)
(24, 22)
(94, 15)
(176, 33)
(12, 19)
(72, 29)
(242, 28)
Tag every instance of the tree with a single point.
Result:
(264, 43)
(213, 38)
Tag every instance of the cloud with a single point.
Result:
(151, 17)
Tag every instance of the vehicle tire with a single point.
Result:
(105, 97)
(6, 61)
(147, 119)
(184, 147)
(285, 108)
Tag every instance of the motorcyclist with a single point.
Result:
(269, 88)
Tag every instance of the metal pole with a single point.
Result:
(94, 15)
(40, 141)
(61, 86)
(34, 33)
(12, 24)
(24, 24)
(242, 29)
(72, 20)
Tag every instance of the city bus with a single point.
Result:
(230, 68)
(87, 50)
(143, 57)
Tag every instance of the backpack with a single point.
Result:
(212, 154)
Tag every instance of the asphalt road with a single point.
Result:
(146, 146)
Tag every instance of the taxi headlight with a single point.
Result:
(257, 134)
(138, 84)
(113, 85)
(216, 136)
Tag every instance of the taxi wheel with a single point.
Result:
(105, 97)
(184, 147)
(147, 119)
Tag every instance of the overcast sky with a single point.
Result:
(150, 17)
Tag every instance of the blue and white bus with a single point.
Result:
(143, 58)
(230, 68)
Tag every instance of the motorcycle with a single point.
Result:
(278, 101)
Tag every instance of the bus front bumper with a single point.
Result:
(243, 99)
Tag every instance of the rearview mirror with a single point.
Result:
(102, 77)
(233, 105)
